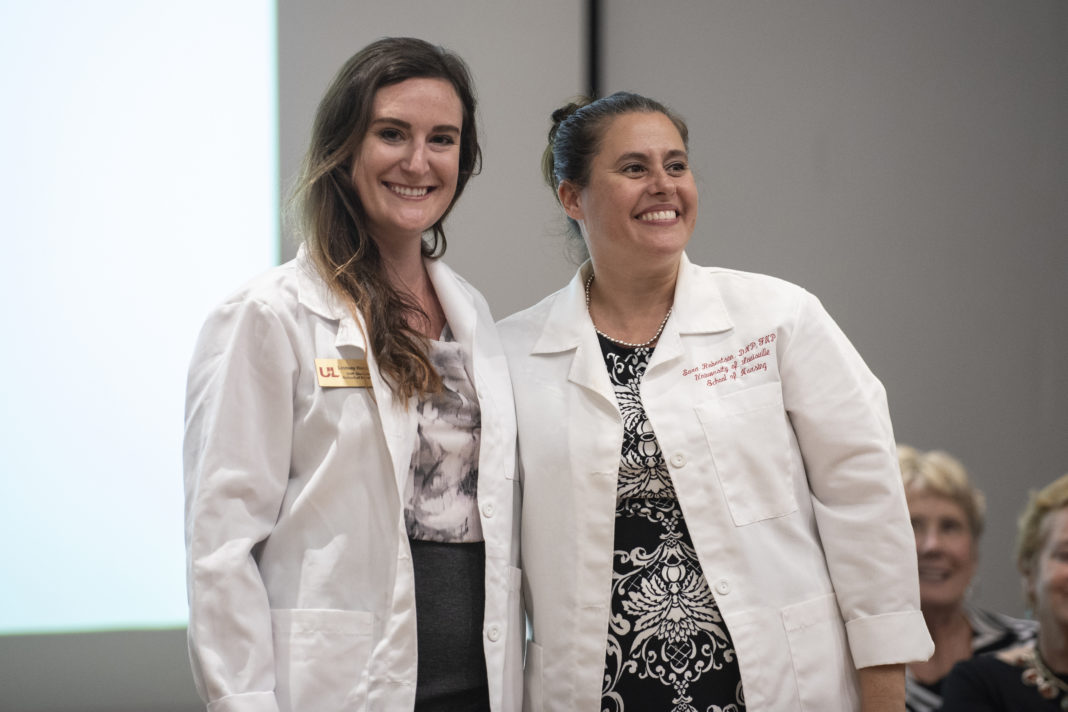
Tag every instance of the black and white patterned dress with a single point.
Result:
(668, 647)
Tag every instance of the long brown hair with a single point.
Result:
(333, 221)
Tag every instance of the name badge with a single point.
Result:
(343, 373)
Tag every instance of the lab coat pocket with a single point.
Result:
(321, 658)
(823, 667)
(749, 435)
(533, 694)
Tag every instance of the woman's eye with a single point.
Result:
(390, 135)
(444, 140)
(951, 526)
(633, 168)
(678, 168)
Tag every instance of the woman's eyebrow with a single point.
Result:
(440, 128)
(639, 156)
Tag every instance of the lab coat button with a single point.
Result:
(723, 587)
(678, 460)
(488, 509)
(493, 633)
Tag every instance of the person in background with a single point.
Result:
(350, 431)
(947, 517)
(712, 513)
(1033, 676)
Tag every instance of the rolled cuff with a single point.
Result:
(889, 639)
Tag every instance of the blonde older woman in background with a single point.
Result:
(947, 517)
(1032, 677)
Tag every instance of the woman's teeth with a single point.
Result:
(658, 215)
(408, 192)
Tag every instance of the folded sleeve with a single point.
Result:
(839, 414)
(238, 432)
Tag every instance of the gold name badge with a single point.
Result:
(343, 373)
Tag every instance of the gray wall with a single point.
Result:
(906, 161)
(526, 57)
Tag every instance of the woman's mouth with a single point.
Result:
(408, 192)
(658, 215)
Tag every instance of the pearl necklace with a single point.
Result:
(628, 344)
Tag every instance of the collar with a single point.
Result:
(314, 294)
(698, 309)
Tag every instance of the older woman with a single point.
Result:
(1032, 677)
(713, 517)
(350, 432)
(947, 518)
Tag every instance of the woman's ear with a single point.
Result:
(571, 199)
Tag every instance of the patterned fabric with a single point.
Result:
(448, 555)
(668, 647)
(991, 632)
(443, 478)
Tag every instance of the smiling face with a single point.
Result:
(1047, 583)
(640, 203)
(406, 167)
(945, 548)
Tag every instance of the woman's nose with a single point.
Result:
(927, 540)
(662, 182)
(416, 159)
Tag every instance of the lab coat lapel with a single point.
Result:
(569, 327)
(457, 304)
(698, 309)
(397, 416)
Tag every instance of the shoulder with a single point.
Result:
(525, 325)
(275, 290)
(747, 282)
(265, 313)
(992, 677)
(747, 294)
(444, 271)
(977, 683)
(993, 631)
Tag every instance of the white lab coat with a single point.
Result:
(301, 591)
(778, 441)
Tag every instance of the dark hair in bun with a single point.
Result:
(578, 130)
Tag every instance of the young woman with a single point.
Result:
(350, 436)
(713, 517)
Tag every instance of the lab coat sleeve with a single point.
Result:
(239, 417)
(839, 413)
